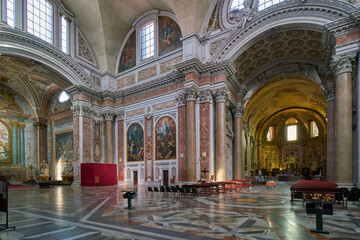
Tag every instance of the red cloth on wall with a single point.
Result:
(105, 172)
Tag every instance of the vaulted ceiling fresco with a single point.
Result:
(29, 78)
(290, 92)
(291, 44)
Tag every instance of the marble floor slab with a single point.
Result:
(67, 213)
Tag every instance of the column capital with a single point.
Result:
(191, 93)
(343, 63)
(180, 99)
(40, 125)
(239, 111)
(14, 123)
(82, 110)
(220, 95)
(206, 96)
(22, 126)
(108, 115)
(120, 115)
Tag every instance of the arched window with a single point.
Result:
(314, 130)
(147, 41)
(270, 134)
(63, 97)
(236, 5)
(291, 129)
(267, 3)
(10, 16)
(40, 19)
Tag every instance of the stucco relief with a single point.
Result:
(147, 73)
(126, 81)
(169, 64)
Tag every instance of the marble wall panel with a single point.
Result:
(86, 139)
(182, 142)
(121, 150)
(205, 139)
(76, 149)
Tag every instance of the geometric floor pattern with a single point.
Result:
(97, 213)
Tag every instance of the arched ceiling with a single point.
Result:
(29, 78)
(106, 22)
(283, 45)
(289, 92)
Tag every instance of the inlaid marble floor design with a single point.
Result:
(63, 212)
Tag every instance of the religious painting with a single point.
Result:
(4, 143)
(165, 134)
(128, 55)
(169, 35)
(135, 143)
(64, 149)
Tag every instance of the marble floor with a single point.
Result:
(67, 213)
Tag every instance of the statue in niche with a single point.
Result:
(271, 160)
(44, 169)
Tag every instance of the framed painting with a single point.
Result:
(5, 143)
(64, 148)
(169, 35)
(128, 55)
(165, 134)
(135, 143)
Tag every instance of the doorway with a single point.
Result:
(166, 177)
(135, 178)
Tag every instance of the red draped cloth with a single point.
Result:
(104, 174)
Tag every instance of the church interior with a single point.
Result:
(241, 98)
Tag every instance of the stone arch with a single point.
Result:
(19, 44)
(315, 14)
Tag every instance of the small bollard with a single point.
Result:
(130, 195)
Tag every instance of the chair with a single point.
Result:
(168, 190)
(156, 190)
(162, 189)
(181, 191)
(150, 190)
(174, 190)
(299, 195)
(339, 197)
(187, 191)
(354, 196)
(193, 191)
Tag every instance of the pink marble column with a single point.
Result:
(220, 161)
(343, 122)
(330, 133)
(181, 104)
(86, 136)
(205, 101)
(238, 156)
(191, 94)
(76, 146)
(149, 148)
(109, 117)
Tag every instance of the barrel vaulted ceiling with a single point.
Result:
(29, 78)
(106, 22)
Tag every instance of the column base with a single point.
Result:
(75, 184)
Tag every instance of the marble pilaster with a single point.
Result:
(121, 142)
(330, 115)
(22, 144)
(14, 144)
(181, 104)
(41, 142)
(109, 117)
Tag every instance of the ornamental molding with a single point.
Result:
(83, 49)
(329, 11)
(343, 63)
(37, 125)
(43, 52)
(330, 94)
(193, 65)
(244, 15)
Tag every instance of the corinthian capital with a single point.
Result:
(205, 96)
(343, 63)
(108, 115)
(180, 99)
(239, 111)
(120, 115)
(220, 95)
(191, 94)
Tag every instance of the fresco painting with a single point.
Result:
(165, 132)
(64, 148)
(128, 55)
(169, 35)
(4, 143)
(135, 143)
